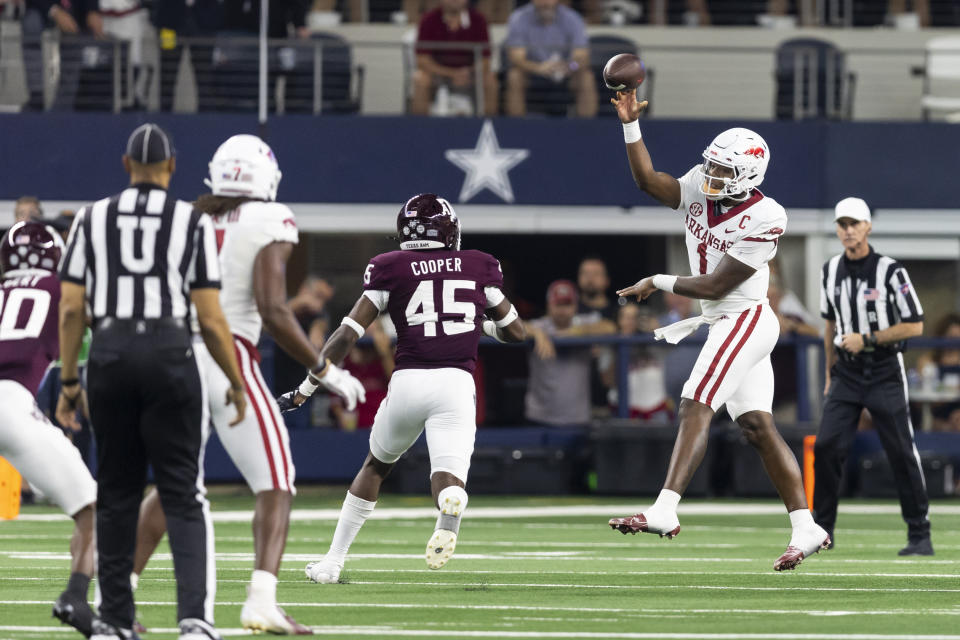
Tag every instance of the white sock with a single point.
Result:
(801, 518)
(134, 581)
(667, 501)
(263, 586)
(450, 522)
(353, 514)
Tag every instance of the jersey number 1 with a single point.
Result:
(422, 308)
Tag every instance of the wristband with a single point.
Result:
(353, 324)
(306, 387)
(664, 283)
(869, 341)
(507, 319)
(631, 132)
(69, 382)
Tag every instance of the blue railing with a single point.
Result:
(622, 345)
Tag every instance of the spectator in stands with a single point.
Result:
(372, 365)
(455, 69)
(795, 320)
(547, 46)
(71, 18)
(646, 383)
(940, 371)
(27, 208)
(697, 13)
(558, 388)
(129, 21)
(596, 309)
(594, 283)
(355, 11)
(287, 18)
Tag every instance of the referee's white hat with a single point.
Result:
(854, 208)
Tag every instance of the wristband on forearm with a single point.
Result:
(664, 282)
(870, 341)
(631, 132)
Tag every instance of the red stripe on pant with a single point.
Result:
(276, 430)
(256, 409)
(716, 359)
(733, 354)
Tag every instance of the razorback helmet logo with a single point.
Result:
(756, 152)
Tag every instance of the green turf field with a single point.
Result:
(543, 568)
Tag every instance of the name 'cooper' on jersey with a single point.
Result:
(434, 301)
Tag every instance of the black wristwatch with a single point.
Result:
(869, 341)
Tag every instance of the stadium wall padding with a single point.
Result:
(350, 159)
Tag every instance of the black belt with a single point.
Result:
(140, 325)
(863, 359)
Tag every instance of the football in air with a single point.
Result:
(624, 72)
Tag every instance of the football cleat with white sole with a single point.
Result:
(197, 629)
(638, 523)
(443, 542)
(802, 545)
(324, 571)
(257, 616)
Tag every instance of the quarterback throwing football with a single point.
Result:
(732, 231)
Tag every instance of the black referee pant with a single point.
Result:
(146, 405)
(878, 386)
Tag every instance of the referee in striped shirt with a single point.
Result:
(870, 307)
(135, 261)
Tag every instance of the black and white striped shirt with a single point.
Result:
(139, 253)
(868, 295)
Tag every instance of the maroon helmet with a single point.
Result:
(30, 245)
(428, 222)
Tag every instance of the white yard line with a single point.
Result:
(391, 631)
(541, 609)
(724, 509)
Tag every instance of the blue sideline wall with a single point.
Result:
(570, 162)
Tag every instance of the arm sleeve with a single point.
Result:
(515, 35)
(280, 225)
(905, 296)
(826, 309)
(493, 276)
(74, 265)
(379, 298)
(760, 245)
(494, 296)
(578, 31)
(204, 271)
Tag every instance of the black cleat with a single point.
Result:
(921, 547)
(74, 611)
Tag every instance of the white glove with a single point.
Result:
(340, 382)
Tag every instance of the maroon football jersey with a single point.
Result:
(436, 303)
(29, 341)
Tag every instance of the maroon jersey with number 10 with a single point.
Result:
(29, 342)
(436, 302)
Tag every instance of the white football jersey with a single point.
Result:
(241, 234)
(749, 232)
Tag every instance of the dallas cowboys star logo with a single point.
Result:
(486, 166)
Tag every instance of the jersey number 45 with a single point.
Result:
(422, 308)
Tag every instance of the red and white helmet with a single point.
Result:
(244, 165)
(739, 149)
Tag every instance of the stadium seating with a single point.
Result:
(812, 81)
